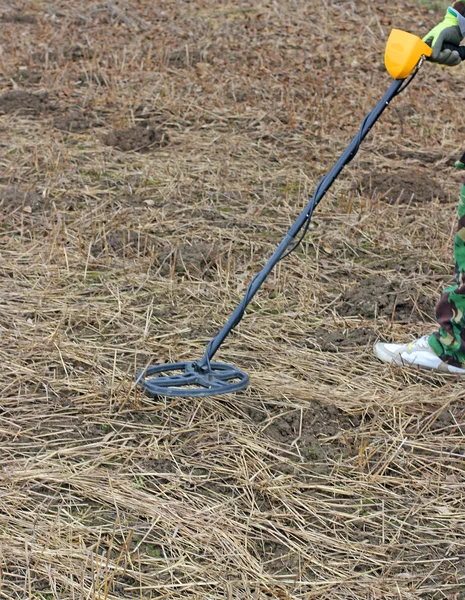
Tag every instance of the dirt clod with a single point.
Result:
(45, 56)
(28, 76)
(318, 421)
(18, 17)
(308, 429)
(185, 57)
(375, 296)
(336, 341)
(78, 52)
(124, 244)
(25, 103)
(194, 259)
(402, 186)
(75, 121)
(86, 78)
(140, 138)
(15, 199)
(425, 158)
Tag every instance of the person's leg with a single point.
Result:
(443, 351)
(449, 341)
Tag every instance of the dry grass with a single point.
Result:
(332, 476)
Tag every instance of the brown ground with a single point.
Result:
(402, 186)
(141, 138)
(152, 156)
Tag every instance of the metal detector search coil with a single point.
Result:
(191, 379)
(404, 55)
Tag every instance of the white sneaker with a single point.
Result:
(415, 354)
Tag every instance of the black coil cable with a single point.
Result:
(314, 203)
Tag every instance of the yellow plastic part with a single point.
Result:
(403, 53)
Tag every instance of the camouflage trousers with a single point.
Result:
(449, 341)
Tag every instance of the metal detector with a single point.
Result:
(404, 55)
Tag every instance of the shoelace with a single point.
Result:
(420, 343)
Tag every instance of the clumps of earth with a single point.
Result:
(375, 296)
(141, 138)
(27, 76)
(25, 103)
(86, 78)
(185, 57)
(77, 52)
(123, 244)
(18, 17)
(308, 430)
(338, 341)
(15, 199)
(196, 260)
(319, 420)
(424, 158)
(403, 186)
(76, 121)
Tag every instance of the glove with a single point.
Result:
(452, 31)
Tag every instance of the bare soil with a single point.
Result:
(152, 157)
(375, 296)
(25, 103)
(141, 138)
(403, 186)
(13, 16)
(338, 341)
(13, 199)
(76, 121)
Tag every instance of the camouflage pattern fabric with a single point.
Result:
(449, 341)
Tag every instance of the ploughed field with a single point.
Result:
(153, 154)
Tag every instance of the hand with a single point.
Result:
(448, 31)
